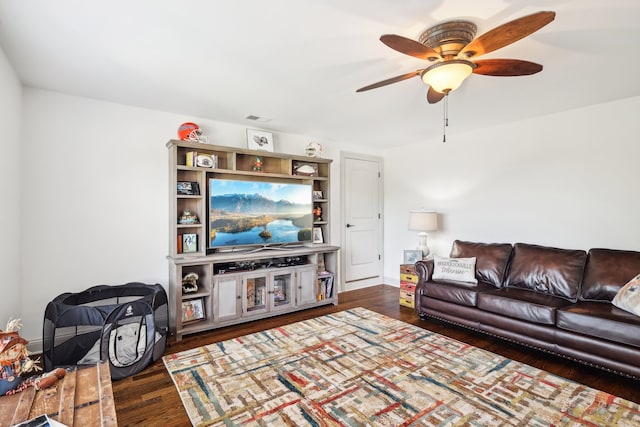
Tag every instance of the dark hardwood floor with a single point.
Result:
(150, 398)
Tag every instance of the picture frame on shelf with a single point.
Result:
(317, 235)
(411, 256)
(188, 188)
(193, 310)
(259, 140)
(317, 195)
(189, 243)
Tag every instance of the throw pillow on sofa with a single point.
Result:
(628, 297)
(458, 269)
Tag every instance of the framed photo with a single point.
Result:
(192, 309)
(188, 188)
(259, 140)
(412, 256)
(317, 235)
(189, 242)
(317, 195)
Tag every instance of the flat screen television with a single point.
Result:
(263, 214)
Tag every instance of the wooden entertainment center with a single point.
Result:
(238, 284)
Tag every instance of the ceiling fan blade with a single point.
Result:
(434, 96)
(409, 47)
(506, 34)
(506, 67)
(391, 80)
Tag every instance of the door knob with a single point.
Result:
(350, 225)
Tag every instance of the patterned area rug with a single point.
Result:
(360, 368)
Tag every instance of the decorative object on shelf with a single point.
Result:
(190, 159)
(188, 218)
(190, 131)
(188, 188)
(189, 242)
(411, 256)
(259, 140)
(192, 310)
(317, 213)
(257, 164)
(317, 235)
(423, 221)
(206, 160)
(14, 357)
(190, 283)
(305, 169)
(317, 195)
(314, 149)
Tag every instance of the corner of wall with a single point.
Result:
(10, 170)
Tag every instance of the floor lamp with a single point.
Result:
(422, 222)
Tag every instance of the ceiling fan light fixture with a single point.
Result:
(447, 76)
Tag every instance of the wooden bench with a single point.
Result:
(84, 397)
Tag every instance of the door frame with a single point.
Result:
(343, 220)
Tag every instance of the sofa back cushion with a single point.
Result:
(606, 272)
(547, 270)
(491, 259)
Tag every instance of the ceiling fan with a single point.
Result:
(450, 49)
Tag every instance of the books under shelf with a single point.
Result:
(325, 285)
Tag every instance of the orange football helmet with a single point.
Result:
(189, 131)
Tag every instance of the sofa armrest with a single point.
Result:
(424, 270)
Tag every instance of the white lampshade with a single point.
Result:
(447, 76)
(423, 221)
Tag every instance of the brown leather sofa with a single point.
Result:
(551, 299)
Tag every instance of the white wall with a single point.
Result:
(10, 167)
(95, 185)
(569, 180)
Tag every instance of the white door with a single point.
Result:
(362, 220)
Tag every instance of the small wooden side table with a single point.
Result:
(408, 282)
(84, 397)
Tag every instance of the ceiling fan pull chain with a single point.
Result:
(446, 118)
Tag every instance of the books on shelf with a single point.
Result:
(251, 294)
(279, 291)
(325, 285)
(256, 294)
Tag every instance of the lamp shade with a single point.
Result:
(423, 221)
(447, 76)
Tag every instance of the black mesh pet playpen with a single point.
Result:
(128, 325)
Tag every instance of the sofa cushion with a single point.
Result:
(628, 297)
(606, 272)
(459, 293)
(547, 270)
(491, 259)
(458, 269)
(602, 320)
(522, 304)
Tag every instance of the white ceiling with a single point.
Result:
(299, 62)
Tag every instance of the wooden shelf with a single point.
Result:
(224, 296)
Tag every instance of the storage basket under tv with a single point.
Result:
(128, 325)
